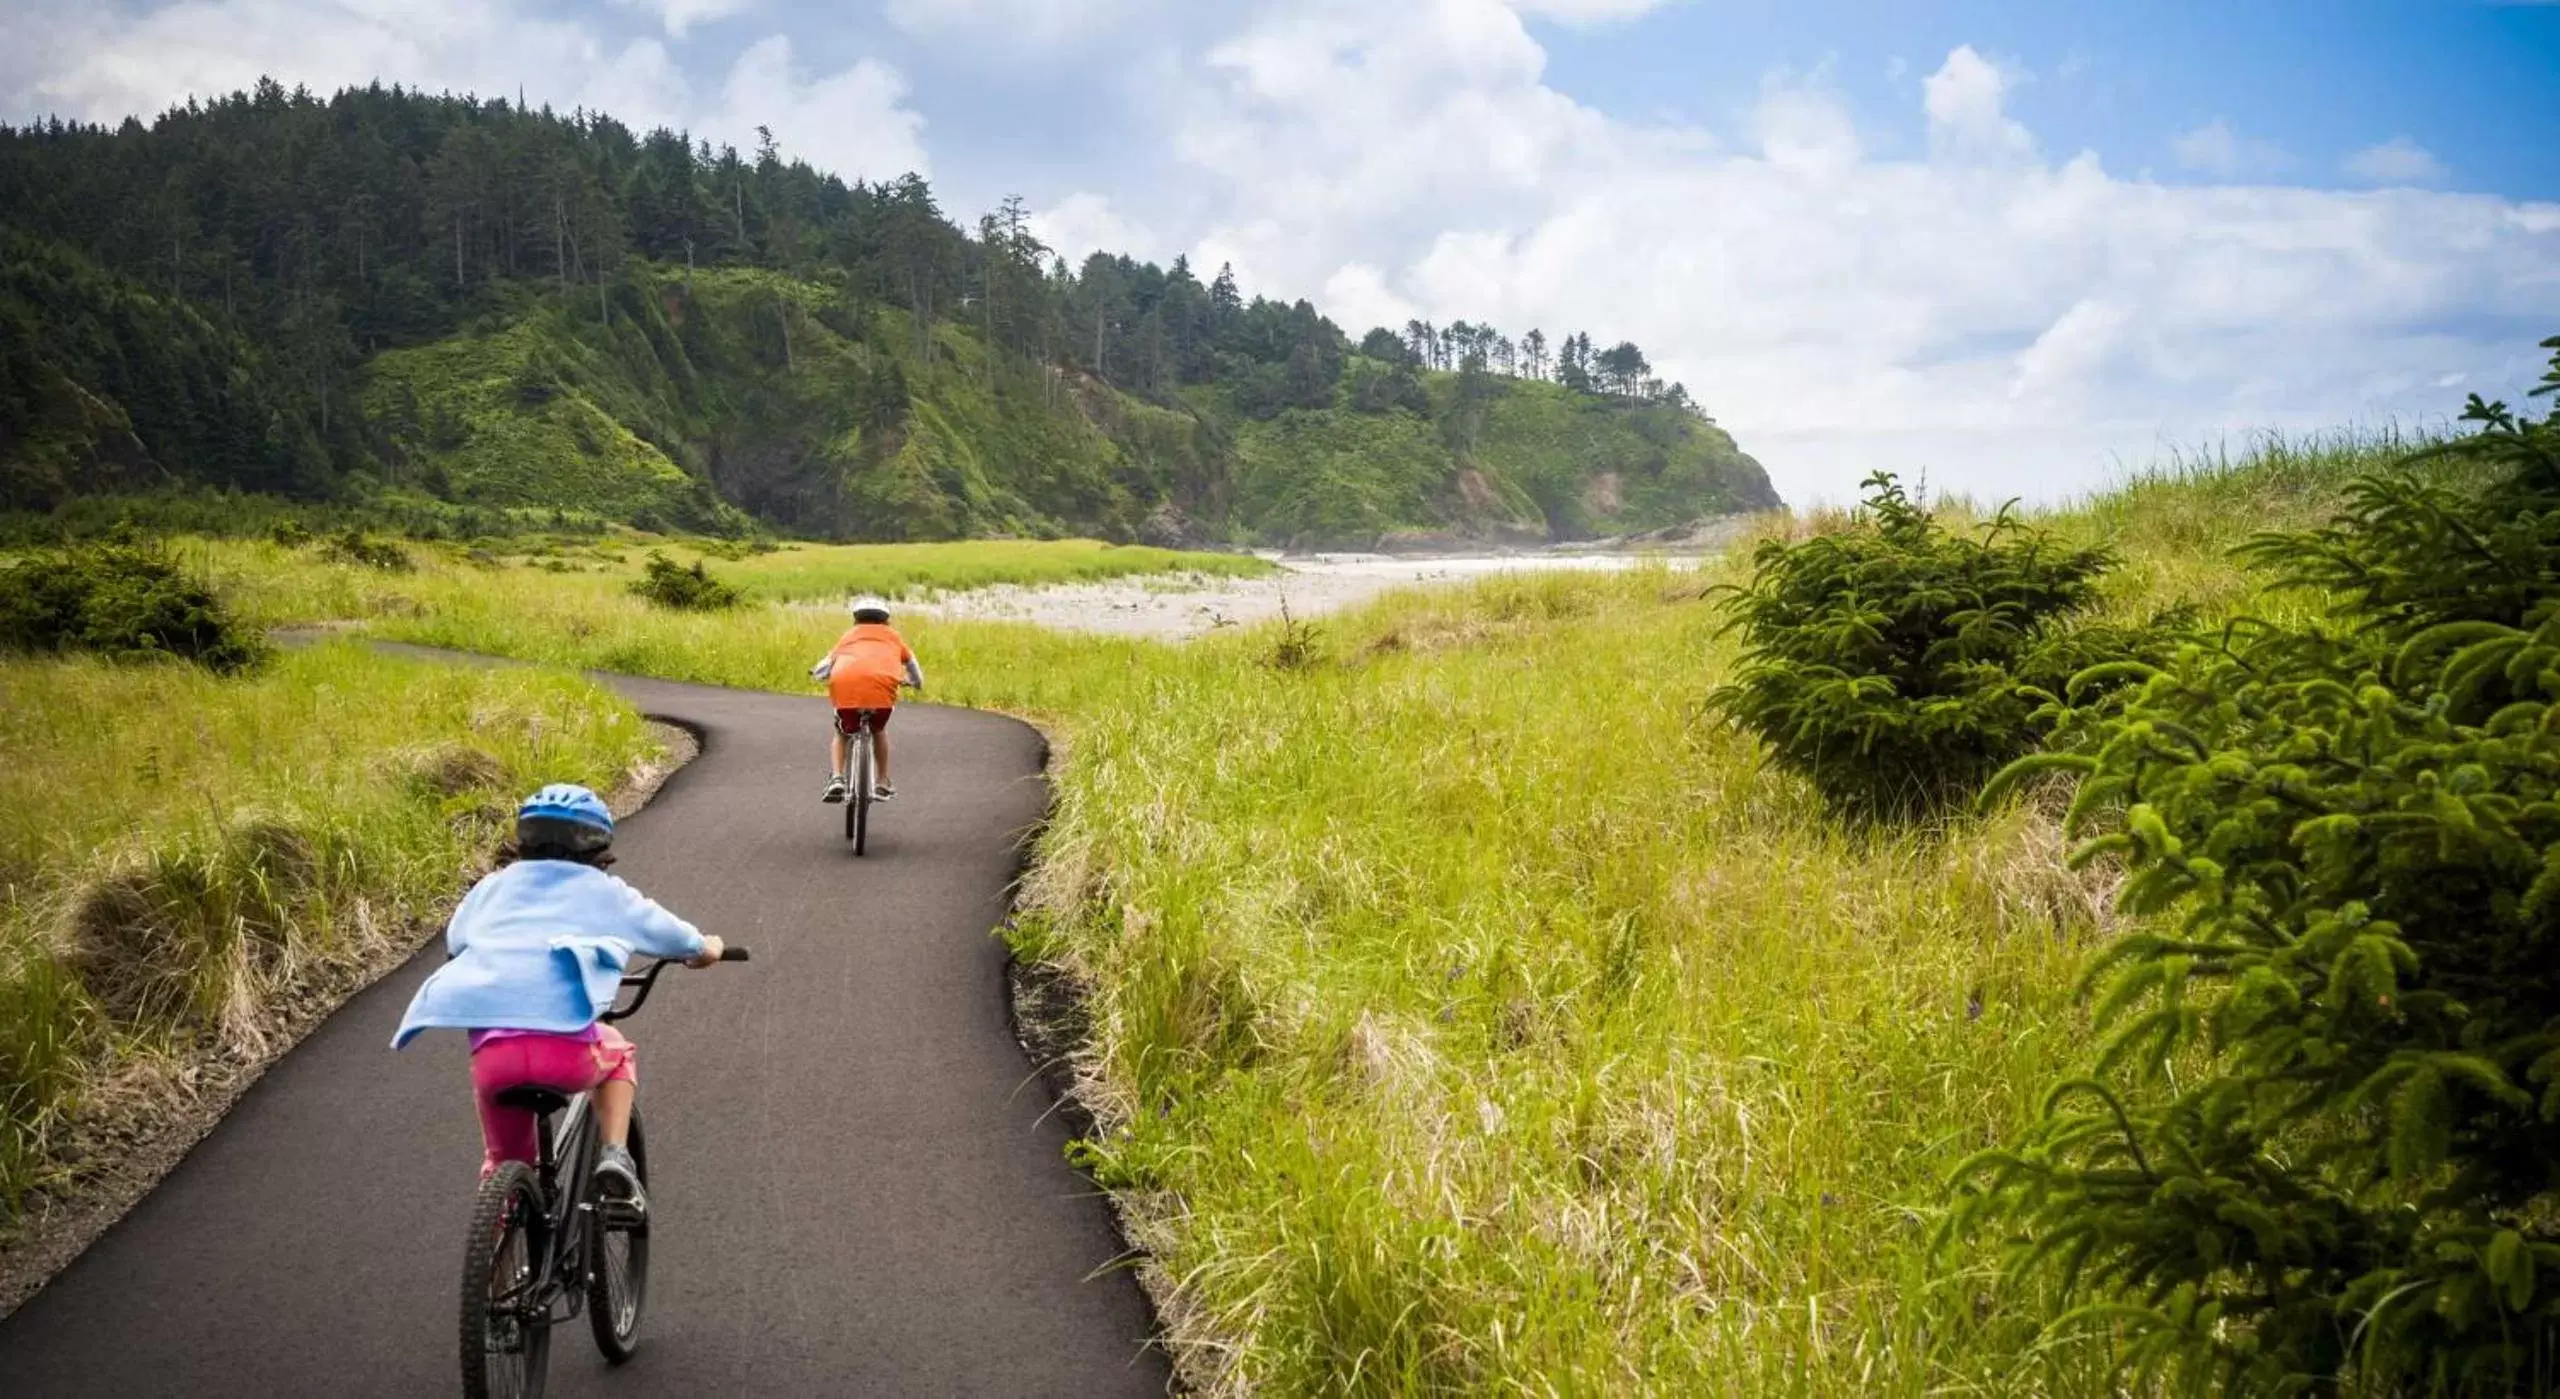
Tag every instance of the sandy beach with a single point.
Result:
(1176, 606)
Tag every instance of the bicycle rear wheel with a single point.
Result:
(858, 811)
(506, 1338)
(619, 1287)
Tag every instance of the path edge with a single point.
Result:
(1047, 1007)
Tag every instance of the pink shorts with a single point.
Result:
(565, 1063)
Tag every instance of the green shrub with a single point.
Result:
(2319, 1150)
(669, 584)
(123, 600)
(354, 546)
(1897, 666)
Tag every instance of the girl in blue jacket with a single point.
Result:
(538, 948)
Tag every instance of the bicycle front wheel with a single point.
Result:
(619, 1285)
(506, 1333)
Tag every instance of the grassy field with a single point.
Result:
(179, 851)
(1467, 1012)
(279, 585)
(822, 571)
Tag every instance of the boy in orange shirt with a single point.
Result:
(863, 671)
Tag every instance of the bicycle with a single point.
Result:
(545, 1245)
(861, 777)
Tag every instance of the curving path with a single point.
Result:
(858, 1177)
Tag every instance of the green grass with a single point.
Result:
(177, 851)
(923, 570)
(1468, 1014)
(279, 586)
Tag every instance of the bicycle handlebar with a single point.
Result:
(648, 981)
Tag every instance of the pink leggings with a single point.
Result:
(558, 1062)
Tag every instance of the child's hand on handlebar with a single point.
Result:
(712, 947)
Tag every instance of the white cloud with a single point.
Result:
(2010, 322)
(1085, 223)
(681, 15)
(849, 121)
(106, 64)
(1357, 295)
(2398, 161)
(1963, 100)
(1587, 11)
(1017, 27)
(2215, 149)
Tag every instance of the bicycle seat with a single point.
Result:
(533, 1098)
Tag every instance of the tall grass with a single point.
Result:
(1468, 1014)
(178, 850)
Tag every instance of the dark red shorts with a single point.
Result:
(845, 719)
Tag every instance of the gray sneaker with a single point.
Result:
(618, 1177)
(835, 791)
(882, 792)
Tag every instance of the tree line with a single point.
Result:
(323, 230)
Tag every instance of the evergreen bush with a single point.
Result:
(666, 583)
(2318, 1149)
(124, 600)
(1898, 666)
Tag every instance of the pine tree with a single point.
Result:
(2343, 839)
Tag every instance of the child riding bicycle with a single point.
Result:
(862, 672)
(538, 949)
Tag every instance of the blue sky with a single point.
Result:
(2023, 248)
(2478, 84)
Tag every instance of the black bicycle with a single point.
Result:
(546, 1244)
(861, 777)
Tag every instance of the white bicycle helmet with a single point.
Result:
(870, 608)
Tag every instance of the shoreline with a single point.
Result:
(1185, 606)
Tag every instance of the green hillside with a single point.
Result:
(804, 409)
(388, 297)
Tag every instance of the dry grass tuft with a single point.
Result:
(170, 934)
(451, 768)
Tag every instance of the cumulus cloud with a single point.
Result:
(2010, 322)
(2398, 161)
(1085, 223)
(2215, 149)
(1963, 100)
(681, 15)
(1587, 11)
(104, 64)
(849, 121)
(1015, 27)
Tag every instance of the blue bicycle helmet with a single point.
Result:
(564, 817)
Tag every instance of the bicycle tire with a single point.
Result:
(614, 1314)
(859, 809)
(509, 1232)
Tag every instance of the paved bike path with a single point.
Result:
(857, 1178)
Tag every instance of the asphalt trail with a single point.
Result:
(857, 1177)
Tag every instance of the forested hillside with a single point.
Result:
(389, 295)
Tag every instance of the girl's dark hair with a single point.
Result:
(511, 851)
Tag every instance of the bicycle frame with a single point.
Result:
(564, 1164)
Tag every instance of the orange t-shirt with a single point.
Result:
(870, 660)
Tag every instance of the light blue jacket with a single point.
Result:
(540, 945)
